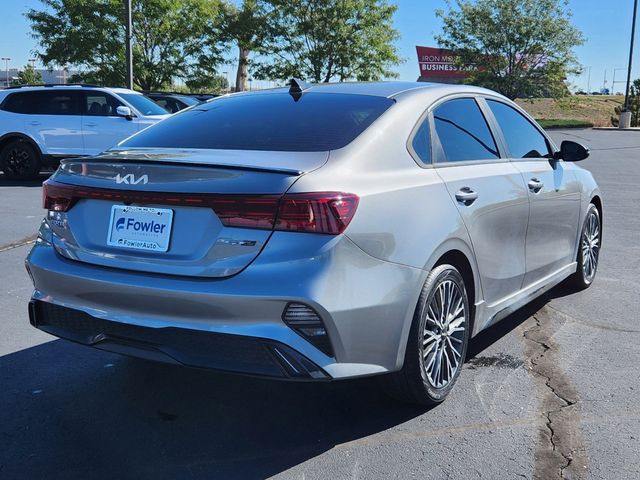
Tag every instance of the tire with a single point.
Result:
(588, 250)
(19, 161)
(420, 381)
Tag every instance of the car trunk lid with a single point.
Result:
(214, 208)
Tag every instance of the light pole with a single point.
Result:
(6, 68)
(588, 80)
(625, 116)
(127, 45)
(226, 78)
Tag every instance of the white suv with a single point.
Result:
(39, 125)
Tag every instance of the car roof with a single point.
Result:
(70, 86)
(380, 89)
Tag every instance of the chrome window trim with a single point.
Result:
(494, 128)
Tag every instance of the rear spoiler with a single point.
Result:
(111, 158)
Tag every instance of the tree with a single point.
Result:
(28, 76)
(248, 27)
(208, 83)
(634, 106)
(522, 48)
(171, 38)
(323, 41)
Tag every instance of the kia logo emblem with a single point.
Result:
(130, 179)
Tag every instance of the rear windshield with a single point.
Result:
(271, 121)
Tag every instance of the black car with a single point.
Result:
(173, 102)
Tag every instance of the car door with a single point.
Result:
(553, 190)
(488, 191)
(54, 120)
(102, 127)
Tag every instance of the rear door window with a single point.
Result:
(463, 131)
(44, 102)
(523, 138)
(15, 103)
(314, 122)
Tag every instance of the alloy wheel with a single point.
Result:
(443, 335)
(18, 161)
(590, 246)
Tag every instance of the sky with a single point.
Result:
(605, 24)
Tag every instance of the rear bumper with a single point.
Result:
(365, 304)
(194, 348)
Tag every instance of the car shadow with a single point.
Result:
(70, 412)
(35, 182)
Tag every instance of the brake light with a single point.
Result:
(245, 211)
(57, 197)
(255, 211)
(323, 212)
(320, 212)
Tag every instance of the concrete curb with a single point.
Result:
(631, 129)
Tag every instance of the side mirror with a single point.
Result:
(124, 112)
(571, 152)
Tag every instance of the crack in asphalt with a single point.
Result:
(19, 243)
(560, 452)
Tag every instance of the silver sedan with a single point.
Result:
(316, 232)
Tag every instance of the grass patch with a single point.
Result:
(595, 110)
(563, 123)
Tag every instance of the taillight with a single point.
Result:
(249, 211)
(323, 212)
(246, 212)
(320, 212)
(57, 197)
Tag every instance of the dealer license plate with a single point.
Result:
(140, 228)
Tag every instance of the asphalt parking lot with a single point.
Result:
(552, 390)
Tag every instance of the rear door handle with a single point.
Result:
(466, 196)
(535, 185)
(34, 122)
(90, 124)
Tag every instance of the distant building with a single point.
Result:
(48, 76)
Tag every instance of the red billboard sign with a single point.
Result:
(439, 62)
